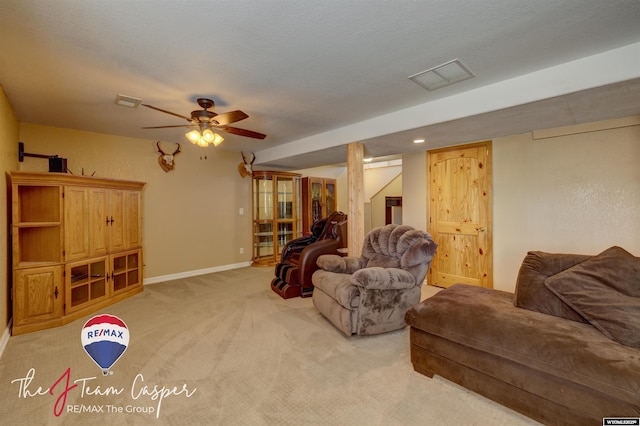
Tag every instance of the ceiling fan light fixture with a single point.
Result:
(205, 138)
(208, 135)
(217, 139)
(193, 136)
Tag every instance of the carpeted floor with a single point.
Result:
(223, 349)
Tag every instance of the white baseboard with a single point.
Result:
(5, 337)
(187, 274)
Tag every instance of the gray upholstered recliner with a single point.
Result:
(371, 294)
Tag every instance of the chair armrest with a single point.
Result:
(383, 278)
(295, 246)
(339, 264)
(307, 264)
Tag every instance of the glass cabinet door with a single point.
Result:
(125, 270)
(330, 198)
(263, 198)
(263, 247)
(87, 283)
(276, 214)
(317, 212)
(285, 198)
(285, 233)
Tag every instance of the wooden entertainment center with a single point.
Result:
(76, 246)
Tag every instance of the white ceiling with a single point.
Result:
(315, 75)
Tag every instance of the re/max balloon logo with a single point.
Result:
(105, 338)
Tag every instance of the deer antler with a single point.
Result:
(166, 160)
(244, 168)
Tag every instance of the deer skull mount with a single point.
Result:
(165, 160)
(244, 168)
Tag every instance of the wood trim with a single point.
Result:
(43, 178)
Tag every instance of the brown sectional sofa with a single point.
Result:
(549, 350)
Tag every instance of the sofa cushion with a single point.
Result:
(531, 292)
(605, 290)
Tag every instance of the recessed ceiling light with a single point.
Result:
(128, 101)
(418, 141)
(368, 159)
(443, 75)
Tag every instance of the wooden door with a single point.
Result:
(460, 215)
(76, 222)
(98, 222)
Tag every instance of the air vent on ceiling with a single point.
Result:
(128, 101)
(443, 75)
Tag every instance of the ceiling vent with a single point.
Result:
(128, 101)
(443, 75)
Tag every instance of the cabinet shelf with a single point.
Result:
(37, 244)
(36, 224)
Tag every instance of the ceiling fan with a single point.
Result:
(204, 121)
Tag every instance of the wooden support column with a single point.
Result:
(355, 192)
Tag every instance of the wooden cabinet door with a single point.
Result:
(117, 225)
(38, 295)
(460, 215)
(98, 222)
(133, 220)
(76, 222)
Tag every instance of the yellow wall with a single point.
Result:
(8, 162)
(191, 219)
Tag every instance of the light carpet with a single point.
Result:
(223, 349)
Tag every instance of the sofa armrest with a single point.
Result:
(341, 265)
(383, 278)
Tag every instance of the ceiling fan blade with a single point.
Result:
(229, 117)
(243, 132)
(168, 112)
(168, 127)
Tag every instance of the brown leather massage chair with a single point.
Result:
(298, 259)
